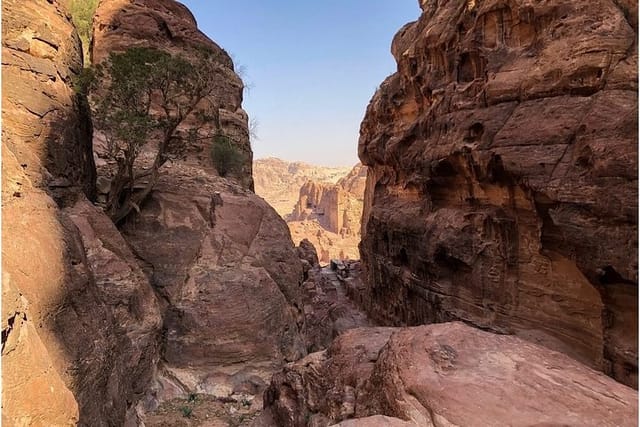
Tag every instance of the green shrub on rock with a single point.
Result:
(226, 156)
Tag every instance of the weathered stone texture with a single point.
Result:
(444, 375)
(502, 183)
(170, 26)
(80, 321)
(329, 215)
(223, 262)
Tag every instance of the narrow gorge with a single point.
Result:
(478, 268)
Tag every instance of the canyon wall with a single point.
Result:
(502, 183)
(80, 322)
(219, 258)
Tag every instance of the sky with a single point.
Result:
(311, 68)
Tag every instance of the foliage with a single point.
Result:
(186, 411)
(82, 12)
(145, 94)
(226, 156)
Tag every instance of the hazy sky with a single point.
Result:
(312, 67)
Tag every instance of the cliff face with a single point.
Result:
(502, 184)
(170, 26)
(80, 321)
(220, 258)
(329, 215)
(279, 182)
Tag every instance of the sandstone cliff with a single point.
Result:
(170, 26)
(279, 182)
(329, 215)
(502, 184)
(220, 259)
(80, 322)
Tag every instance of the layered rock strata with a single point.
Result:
(80, 323)
(445, 374)
(170, 26)
(502, 183)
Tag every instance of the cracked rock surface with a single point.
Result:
(502, 184)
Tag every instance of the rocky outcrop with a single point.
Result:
(338, 208)
(170, 26)
(328, 312)
(502, 183)
(445, 374)
(225, 267)
(329, 215)
(279, 182)
(80, 322)
(220, 258)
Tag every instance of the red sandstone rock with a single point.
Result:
(80, 321)
(502, 183)
(225, 266)
(329, 215)
(279, 182)
(446, 374)
(168, 25)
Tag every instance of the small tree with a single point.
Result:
(145, 94)
(226, 156)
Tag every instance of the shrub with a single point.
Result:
(123, 90)
(226, 156)
(186, 411)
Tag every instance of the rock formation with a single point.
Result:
(220, 258)
(444, 374)
(226, 270)
(279, 182)
(502, 183)
(170, 26)
(329, 215)
(80, 322)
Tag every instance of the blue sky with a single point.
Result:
(312, 67)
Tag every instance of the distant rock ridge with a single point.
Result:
(502, 186)
(321, 204)
(279, 181)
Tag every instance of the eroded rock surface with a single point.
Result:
(329, 215)
(445, 374)
(502, 183)
(168, 25)
(80, 320)
(279, 181)
(224, 264)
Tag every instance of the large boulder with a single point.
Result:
(226, 268)
(502, 183)
(442, 375)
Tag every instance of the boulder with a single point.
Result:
(445, 374)
(226, 269)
